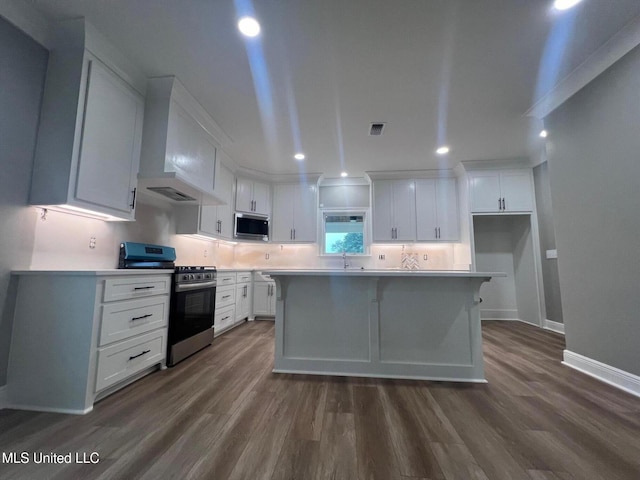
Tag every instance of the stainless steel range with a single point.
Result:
(192, 310)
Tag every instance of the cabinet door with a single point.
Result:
(447, 210)
(241, 302)
(261, 298)
(517, 191)
(282, 224)
(426, 226)
(244, 195)
(209, 220)
(110, 149)
(272, 299)
(224, 184)
(404, 210)
(261, 198)
(484, 191)
(382, 211)
(225, 217)
(305, 213)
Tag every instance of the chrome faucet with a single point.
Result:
(344, 259)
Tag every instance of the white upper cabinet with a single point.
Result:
(501, 191)
(394, 210)
(88, 149)
(210, 220)
(179, 149)
(437, 216)
(295, 209)
(253, 196)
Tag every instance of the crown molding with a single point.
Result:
(613, 50)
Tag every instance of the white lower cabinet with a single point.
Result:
(264, 296)
(233, 299)
(244, 294)
(80, 336)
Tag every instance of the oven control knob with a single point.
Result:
(192, 276)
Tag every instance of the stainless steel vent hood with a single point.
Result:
(179, 146)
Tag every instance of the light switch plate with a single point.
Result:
(552, 253)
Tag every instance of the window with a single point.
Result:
(344, 232)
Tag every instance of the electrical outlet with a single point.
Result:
(424, 257)
(381, 256)
(206, 252)
(266, 256)
(92, 242)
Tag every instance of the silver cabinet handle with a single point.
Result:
(294, 233)
(133, 200)
(143, 288)
(291, 234)
(504, 207)
(141, 317)
(499, 203)
(224, 318)
(436, 229)
(225, 296)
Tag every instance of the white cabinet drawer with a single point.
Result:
(226, 278)
(225, 296)
(121, 320)
(261, 277)
(126, 288)
(121, 360)
(243, 277)
(224, 318)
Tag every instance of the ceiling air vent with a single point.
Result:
(172, 193)
(376, 129)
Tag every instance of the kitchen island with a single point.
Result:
(380, 323)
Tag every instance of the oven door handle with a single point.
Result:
(195, 286)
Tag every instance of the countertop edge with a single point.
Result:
(96, 273)
(386, 273)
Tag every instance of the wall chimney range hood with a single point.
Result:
(180, 141)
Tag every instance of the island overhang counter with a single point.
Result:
(380, 323)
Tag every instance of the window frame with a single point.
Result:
(346, 212)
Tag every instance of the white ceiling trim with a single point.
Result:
(613, 50)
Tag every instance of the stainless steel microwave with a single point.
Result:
(251, 227)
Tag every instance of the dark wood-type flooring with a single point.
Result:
(223, 415)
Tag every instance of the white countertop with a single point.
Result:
(385, 273)
(102, 272)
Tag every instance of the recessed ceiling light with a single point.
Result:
(344, 174)
(565, 4)
(299, 156)
(443, 150)
(544, 134)
(249, 26)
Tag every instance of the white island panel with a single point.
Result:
(385, 323)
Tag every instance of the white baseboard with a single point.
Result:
(37, 408)
(501, 314)
(621, 379)
(554, 326)
(4, 397)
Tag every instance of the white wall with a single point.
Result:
(594, 164)
(62, 240)
(22, 65)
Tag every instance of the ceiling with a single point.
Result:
(455, 72)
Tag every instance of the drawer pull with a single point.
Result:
(143, 316)
(224, 318)
(139, 355)
(225, 296)
(144, 288)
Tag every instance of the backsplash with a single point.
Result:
(62, 241)
(439, 257)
